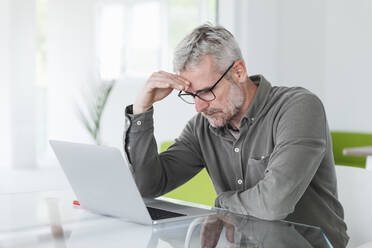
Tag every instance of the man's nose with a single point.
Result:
(200, 105)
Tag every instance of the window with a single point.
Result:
(108, 40)
(137, 38)
(41, 78)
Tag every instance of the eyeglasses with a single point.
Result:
(206, 95)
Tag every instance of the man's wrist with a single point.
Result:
(139, 122)
(140, 109)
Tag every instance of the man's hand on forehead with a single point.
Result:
(172, 80)
(158, 86)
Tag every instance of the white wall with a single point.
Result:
(22, 90)
(285, 42)
(71, 64)
(5, 145)
(302, 37)
(348, 64)
(323, 46)
(17, 72)
(256, 25)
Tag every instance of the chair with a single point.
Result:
(341, 140)
(354, 191)
(198, 190)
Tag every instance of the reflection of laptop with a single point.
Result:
(103, 183)
(114, 233)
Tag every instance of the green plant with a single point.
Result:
(95, 101)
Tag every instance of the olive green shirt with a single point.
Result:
(279, 167)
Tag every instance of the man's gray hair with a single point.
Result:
(207, 39)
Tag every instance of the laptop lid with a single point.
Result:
(101, 180)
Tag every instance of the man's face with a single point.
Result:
(229, 97)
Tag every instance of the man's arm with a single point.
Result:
(159, 85)
(157, 174)
(299, 149)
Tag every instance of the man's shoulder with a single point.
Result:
(297, 99)
(289, 95)
(289, 92)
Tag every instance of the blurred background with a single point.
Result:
(56, 56)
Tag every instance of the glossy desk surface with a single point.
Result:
(49, 219)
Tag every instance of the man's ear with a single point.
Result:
(239, 72)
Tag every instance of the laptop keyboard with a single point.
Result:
(158, 214)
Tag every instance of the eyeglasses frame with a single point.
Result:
(196, 94)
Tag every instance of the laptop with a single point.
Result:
(103, 183)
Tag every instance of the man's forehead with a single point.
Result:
(200, 76)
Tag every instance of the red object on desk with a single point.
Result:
(76, 203)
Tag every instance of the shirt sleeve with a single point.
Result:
(154, 173)
(300, 145)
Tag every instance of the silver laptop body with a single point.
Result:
(103, 183)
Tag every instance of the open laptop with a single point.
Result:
(103, 183)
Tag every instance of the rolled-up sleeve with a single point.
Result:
(300, 144)
(154, 173)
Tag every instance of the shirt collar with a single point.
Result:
(260, 98)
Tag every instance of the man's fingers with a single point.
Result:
(176, 79)
(166, 82)
(179, 78)
(230, 233)
(160, 85)
(210, 232)
(187, 82)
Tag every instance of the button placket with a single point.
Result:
(239, 170)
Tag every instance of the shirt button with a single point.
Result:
(236, 149)
(240, 181)
(139, 123)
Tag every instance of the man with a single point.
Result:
(267, 149)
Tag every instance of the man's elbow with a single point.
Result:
(273, 212)
(148, 189)
(271, 216)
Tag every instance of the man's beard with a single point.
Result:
(234, 104)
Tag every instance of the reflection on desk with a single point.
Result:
(49, 219)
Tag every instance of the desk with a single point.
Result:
(49, 219)
(365, 151)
